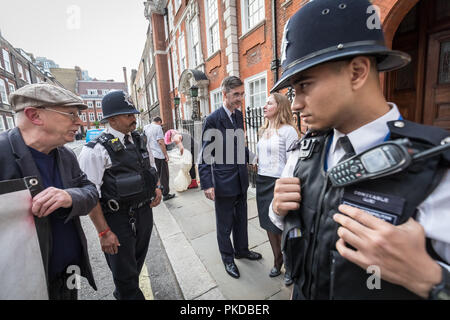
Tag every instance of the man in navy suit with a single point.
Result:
(224, 177)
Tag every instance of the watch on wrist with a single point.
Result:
(160, 187)
(441, 291)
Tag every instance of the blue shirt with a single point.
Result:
(66, 244)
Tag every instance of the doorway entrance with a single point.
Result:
(422, 89)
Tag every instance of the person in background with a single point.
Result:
(155, 143)
(276, 136)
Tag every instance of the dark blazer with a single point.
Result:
(16, 161)
(228, 179)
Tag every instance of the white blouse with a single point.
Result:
(272, 155)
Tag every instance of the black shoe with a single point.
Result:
(232, 270)
(251, 255)
(287, 280)
(169, 196)
(274, 272)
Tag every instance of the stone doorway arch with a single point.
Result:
(189, 78)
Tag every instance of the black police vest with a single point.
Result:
(317, 268)
(131, 180)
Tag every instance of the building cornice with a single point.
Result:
(154, 6)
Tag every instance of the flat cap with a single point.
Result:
(44, 95)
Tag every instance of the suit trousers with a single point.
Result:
(126, 265)
(231, 216)
(163, 172)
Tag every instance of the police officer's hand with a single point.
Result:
(209, 193)
(398, 251)
(157, 199)
(110, 243)
(49, 200)
(286, 196)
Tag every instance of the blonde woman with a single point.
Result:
(276, 136)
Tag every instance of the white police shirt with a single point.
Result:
(433, 212)
(94, 161)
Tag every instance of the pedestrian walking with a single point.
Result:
(155, 138)
(47, 118)
(119, 165)
(276, 136)
(225, 179)
(338, 226)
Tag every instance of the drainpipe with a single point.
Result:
(275, 64)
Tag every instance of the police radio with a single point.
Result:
(383, 160)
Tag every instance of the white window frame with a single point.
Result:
(175, 67)
(170, 14)
(27, 75)
(21, 73)
(195, 43)
(150, 93)
(90, 104)
(83, 116)
(2, 124)
(6, 60)
(3, 92)
(98, 104)
(10, 122)
(99, 116)
(11, 87)
(212, 22)
(182, 52)
(248, 94)
(177, 5)
(91, 116)
(105, 91)
(216, 104)
(154, 90)
(257, 14)
(92, 92)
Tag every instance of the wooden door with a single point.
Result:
(437, 85)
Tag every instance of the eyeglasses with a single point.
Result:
(72, 115)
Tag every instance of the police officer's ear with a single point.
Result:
(361, 70)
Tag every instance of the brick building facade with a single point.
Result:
(17, 69)
(199, 42)
(92, 93)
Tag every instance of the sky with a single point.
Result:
(100, 36)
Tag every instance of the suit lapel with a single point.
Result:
(23, 156)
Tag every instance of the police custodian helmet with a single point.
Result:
(116, 103)
(327, 30)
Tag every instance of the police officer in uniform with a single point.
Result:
(119, 164)
(330, 239)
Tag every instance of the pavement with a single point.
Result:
(187, 228)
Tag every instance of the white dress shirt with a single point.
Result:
(433, 212)
(94, 161)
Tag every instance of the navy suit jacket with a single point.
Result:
(16, 162)
(227, 177)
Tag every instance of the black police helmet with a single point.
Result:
(116, 103)
(327, 30)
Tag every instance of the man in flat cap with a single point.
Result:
(47, 118)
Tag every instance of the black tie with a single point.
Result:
(233, 119)
(347, 146)
(128, 140)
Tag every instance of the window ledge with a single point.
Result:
(215, 53)
(257, 26)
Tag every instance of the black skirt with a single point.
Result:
(264, 196)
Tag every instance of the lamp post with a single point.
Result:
(176, 102)
(195, 108)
